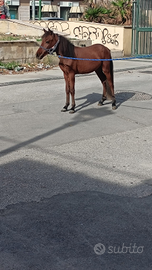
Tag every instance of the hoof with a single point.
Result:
(65, 108)
(114, 104)
(100, 103)
(114, 107)
(72, 110)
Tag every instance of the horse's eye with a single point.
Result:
(47, 41)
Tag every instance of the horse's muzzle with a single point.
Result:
(38, 56)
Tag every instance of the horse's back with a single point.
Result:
(95, 51)
(98, 51)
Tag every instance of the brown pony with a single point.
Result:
(65, 50)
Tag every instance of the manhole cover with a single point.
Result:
(130, 95)
(148, 182)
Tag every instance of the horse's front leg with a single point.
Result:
(72, 90)
(67, 90)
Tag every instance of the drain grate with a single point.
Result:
(130, 95)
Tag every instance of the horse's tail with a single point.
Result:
(109, 94)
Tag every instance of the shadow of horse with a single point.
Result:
(82, 116)
(90, 99)
(122, 97)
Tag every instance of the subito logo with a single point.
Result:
(99, 249)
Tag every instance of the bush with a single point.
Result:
(96, 14)
(123, 10)
(116, 12)
(9, 66)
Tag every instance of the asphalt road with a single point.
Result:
(75, 189)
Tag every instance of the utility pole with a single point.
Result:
(33, 10)
(39, 9)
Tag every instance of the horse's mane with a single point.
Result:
(66, 47)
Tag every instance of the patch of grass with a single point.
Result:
(13, 38)
(38, 39)
(9, 66)
(9, 38)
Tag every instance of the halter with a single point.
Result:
(51, 50)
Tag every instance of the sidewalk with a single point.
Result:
(56, 73)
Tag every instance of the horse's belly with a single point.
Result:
(84, 66)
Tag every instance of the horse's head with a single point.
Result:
(49, 39)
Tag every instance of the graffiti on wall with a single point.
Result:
(59, 26)
(82, 32)
(94, 33)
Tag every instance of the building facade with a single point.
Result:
(23, 9)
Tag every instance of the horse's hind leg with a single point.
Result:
(108, 71)
(102, 78)
(72, 90)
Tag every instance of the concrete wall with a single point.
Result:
(114, 37)
(109, 35)
(20, 28)
(18, 51)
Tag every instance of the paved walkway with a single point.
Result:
(69, 203)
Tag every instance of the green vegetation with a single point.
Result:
(13, 67)
(13, 37)
(38, 39)
(9, 66)
(9, 38)
(95, 14)
(115, 12)
(123, 9)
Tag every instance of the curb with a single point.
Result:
(59, 78)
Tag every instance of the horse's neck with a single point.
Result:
(57, 39)
(65, 48)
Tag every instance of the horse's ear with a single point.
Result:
(50, 31)
(44, 30)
